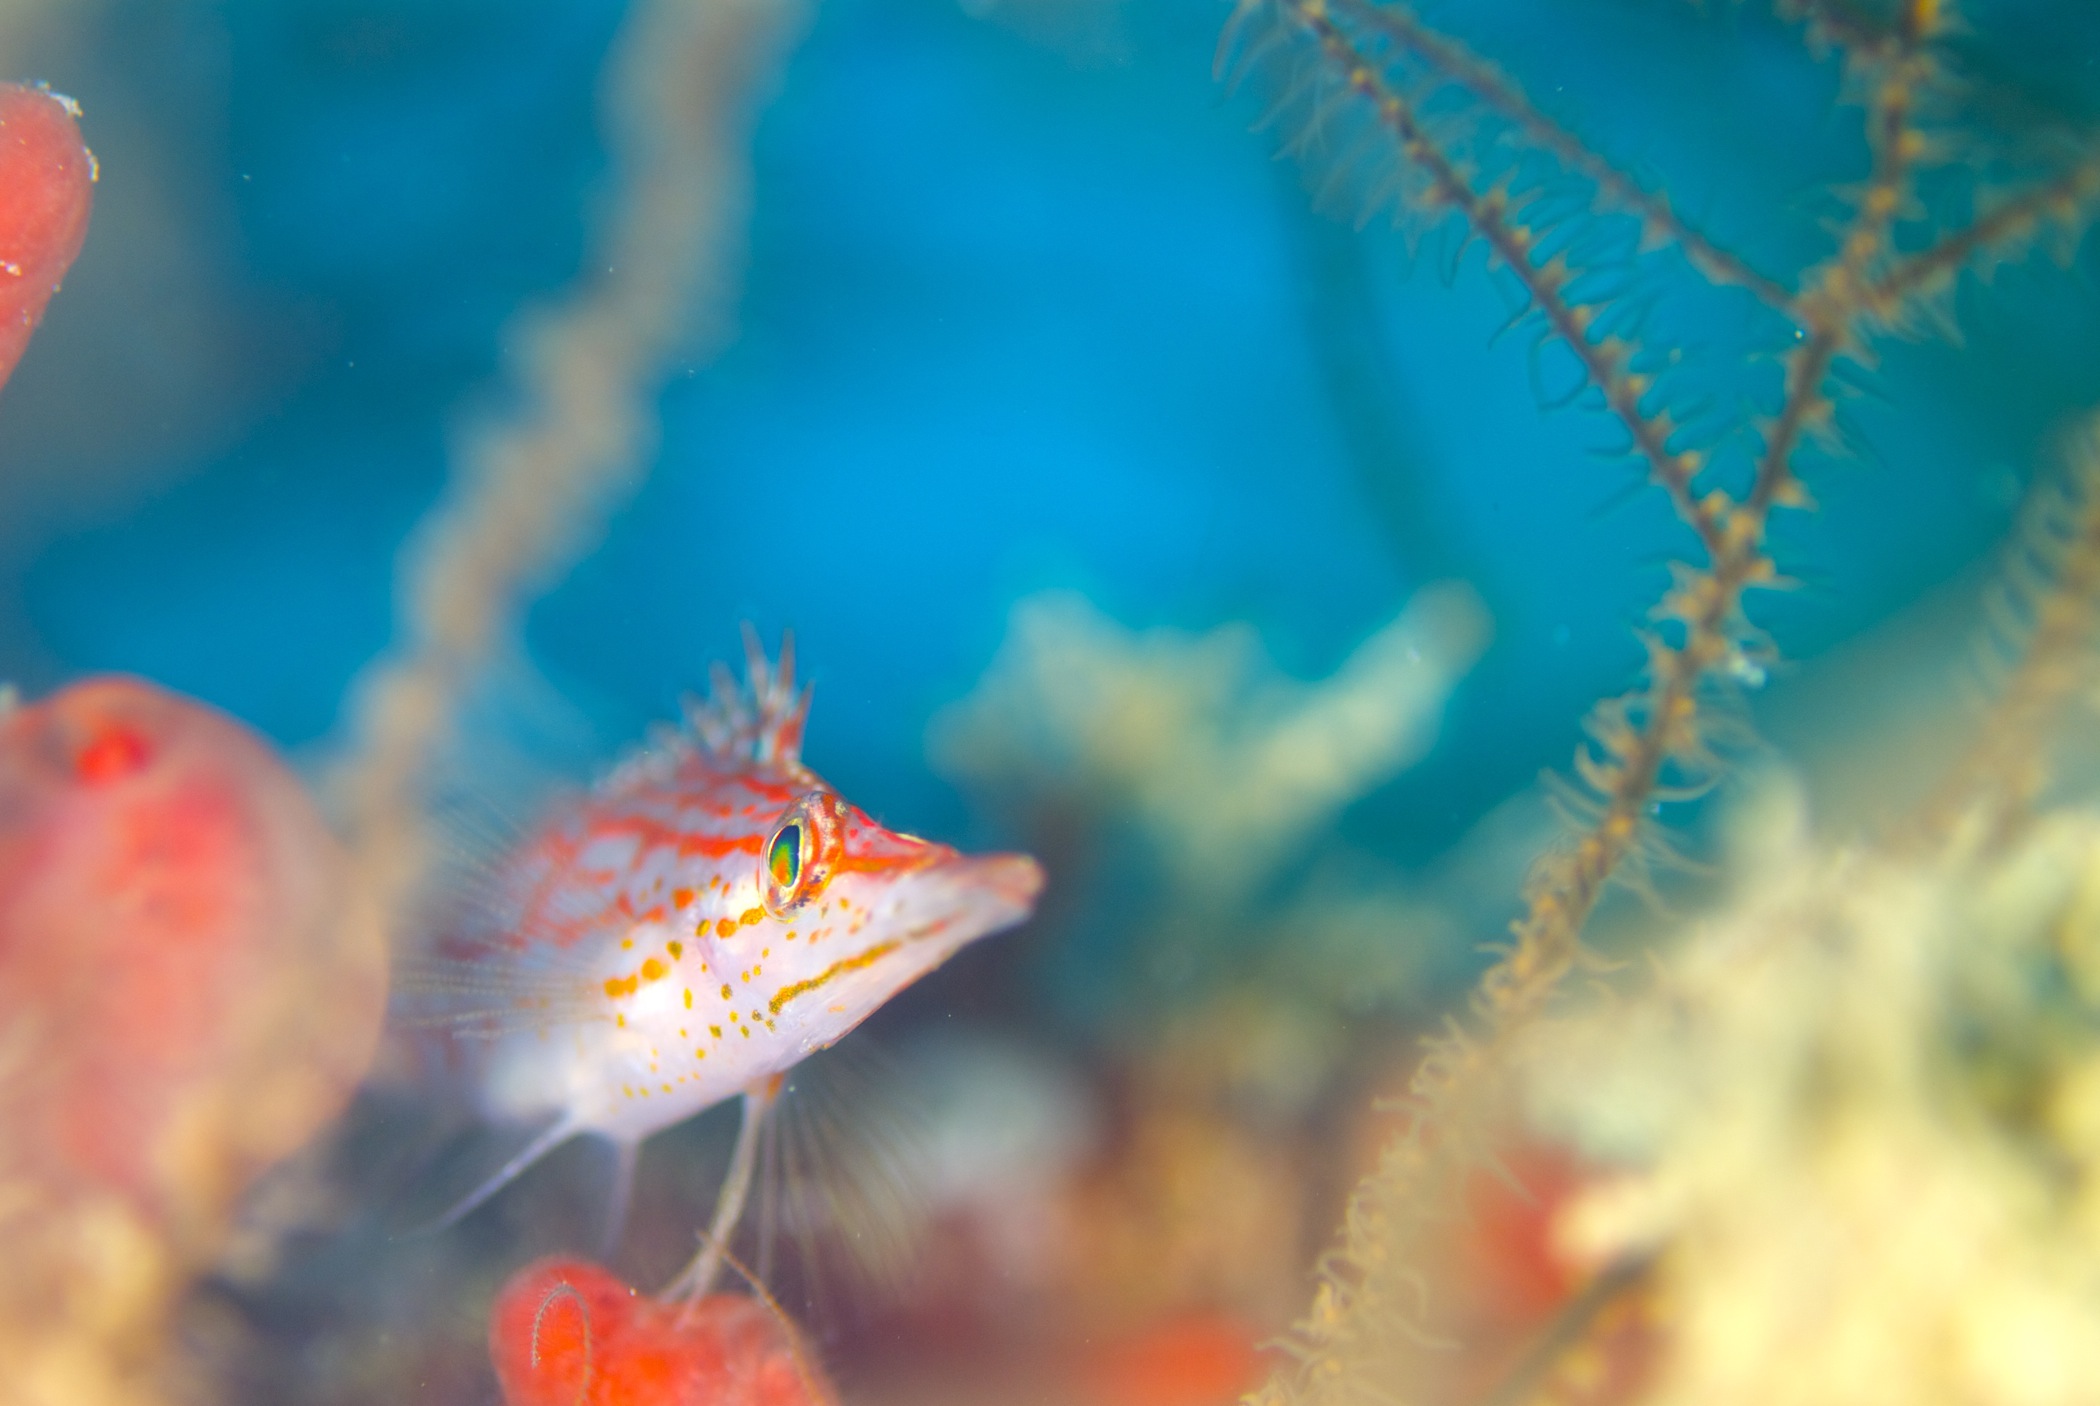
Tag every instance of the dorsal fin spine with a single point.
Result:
(758, 720)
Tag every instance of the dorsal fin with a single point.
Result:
(759, 720)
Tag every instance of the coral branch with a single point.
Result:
(1490, 214)
(1840, 293)
(1637, 738)
(534, 485)
(1848, 28)
(1997, 781)
(1661, 224)
(2063, 199)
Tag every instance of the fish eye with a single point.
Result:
(784, 856)
(802, 852)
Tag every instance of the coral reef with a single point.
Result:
(191, 986)
(1224, 766)
(1853, 1123)
(1815, 1120)
(1463, 149)
(1852, 1114)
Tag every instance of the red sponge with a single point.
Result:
(46, 186)
(566, 1333)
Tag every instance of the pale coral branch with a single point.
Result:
(1997, 780)
(532, 486)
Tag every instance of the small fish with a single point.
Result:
(707, 917)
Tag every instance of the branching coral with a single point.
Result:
(1465, 151)
(2047, 614)
(1861, 1104)
(535, 481)
(1864, 1101)
(1224, 765)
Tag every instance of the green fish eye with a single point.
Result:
(784, 858)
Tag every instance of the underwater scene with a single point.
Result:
(1049, 702)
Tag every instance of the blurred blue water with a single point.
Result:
(1010, 321)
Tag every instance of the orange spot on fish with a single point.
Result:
(751, 915)
(653, 970)
(681, 897)
(846, 964)
(725, 927)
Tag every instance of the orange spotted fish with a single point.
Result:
(708, 916)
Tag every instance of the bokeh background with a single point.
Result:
(1031, 305)
(1027, 305)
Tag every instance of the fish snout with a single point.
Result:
(1011, 880)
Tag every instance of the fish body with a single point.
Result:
(707, 917)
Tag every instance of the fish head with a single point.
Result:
(863, 911)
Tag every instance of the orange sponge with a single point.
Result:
(46, 187)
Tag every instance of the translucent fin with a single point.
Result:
(620, 1197)
(554, 1136)
(504, 993)
(484, 967)
(699, 1276)
(760, 720)
(848, 1170)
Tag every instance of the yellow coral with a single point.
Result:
(1869, 1129)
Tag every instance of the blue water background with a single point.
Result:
(1016, 315)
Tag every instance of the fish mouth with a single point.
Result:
(980, 894)
(1010, 880)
